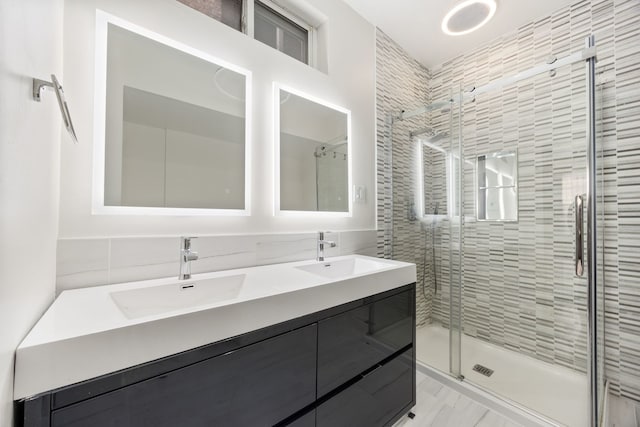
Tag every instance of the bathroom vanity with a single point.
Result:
(301, 344)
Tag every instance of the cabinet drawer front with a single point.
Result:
(352, 342)
(375, 400)
(257, 385)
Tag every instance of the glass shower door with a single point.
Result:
(499, 236)
(456, 232)
(524, 307)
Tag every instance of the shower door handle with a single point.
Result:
(579, 256)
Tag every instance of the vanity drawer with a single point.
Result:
(257, 385)
(353, 342)
(377, 399)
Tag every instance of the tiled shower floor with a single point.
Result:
(558, 393)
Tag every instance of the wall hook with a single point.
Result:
(40, 85)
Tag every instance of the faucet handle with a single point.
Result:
(185, 242)
(327, 242)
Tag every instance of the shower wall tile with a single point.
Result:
(401, 85)
(626, 69)
(518, 287)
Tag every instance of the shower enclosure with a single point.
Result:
(505, 227)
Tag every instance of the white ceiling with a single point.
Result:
(415, 24)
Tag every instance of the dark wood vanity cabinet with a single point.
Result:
(376, 399)
(351, 365)
(260, 384)
(354, 341)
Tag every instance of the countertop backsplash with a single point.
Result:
(102, 261)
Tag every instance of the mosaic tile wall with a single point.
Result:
(519, 290)
(401, 84)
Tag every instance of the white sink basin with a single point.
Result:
(93, 331)
(181, 295)
(344, 268)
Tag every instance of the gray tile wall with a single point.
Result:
(101, 261)
(518, 288)
(621, 134)
(401, 84)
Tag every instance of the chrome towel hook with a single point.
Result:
(40, 85)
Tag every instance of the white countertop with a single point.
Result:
(84, 334)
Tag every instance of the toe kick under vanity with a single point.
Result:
(300, 344)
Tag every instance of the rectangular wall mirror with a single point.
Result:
(313, 155)
(175, 126)
(498, 186)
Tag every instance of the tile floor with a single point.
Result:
(623, 412)
(440, 406)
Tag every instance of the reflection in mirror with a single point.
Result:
(498, 187)
(314, 155)
(434, 176)
(175, 127)
(439, 169)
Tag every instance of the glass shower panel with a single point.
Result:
(437, 217)
(524, 309)
(606, 87)
(456, 234)
(438, 206)
(491, 220)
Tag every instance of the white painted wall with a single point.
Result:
(30, 45)
(350, 83)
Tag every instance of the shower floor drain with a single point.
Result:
(483, 370)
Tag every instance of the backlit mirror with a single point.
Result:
(175, 126)
(313, 154)
(498, 186)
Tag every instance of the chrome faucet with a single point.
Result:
(186, 256)
(320, 246)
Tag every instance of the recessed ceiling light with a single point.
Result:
(468, 16)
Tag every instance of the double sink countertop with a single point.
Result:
(95, 331)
